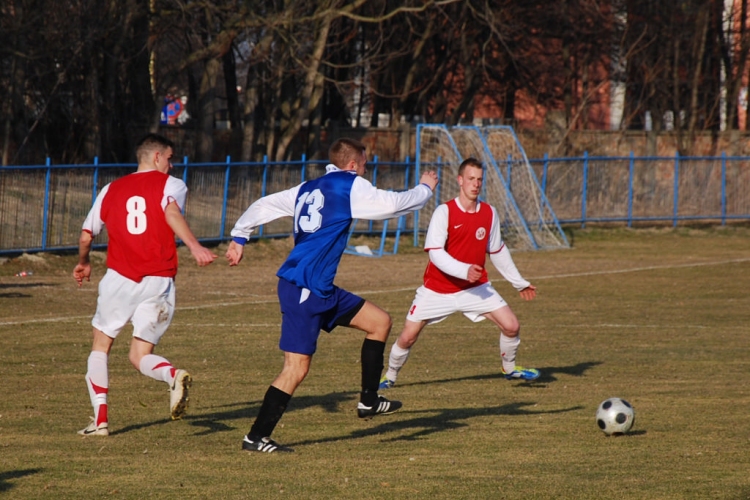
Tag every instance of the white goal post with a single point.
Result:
(510, 185)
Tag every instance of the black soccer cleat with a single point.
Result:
(381, 407)
(263, 445)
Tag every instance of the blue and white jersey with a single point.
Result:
(323, 210)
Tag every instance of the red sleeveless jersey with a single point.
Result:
(468, 234)
(141, 243)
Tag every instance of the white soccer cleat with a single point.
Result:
(178, 394)
(95, 430)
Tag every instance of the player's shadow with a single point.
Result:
(426, 422)
(547, 375)
(19, 295)
(245, 412)
(5, 477)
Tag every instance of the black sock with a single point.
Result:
(372, 368)
(273, 407)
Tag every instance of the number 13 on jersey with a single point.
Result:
(313, 203)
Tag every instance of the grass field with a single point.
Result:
(660, 317)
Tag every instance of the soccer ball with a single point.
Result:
(615, 416)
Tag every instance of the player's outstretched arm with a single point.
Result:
(234, 253)
(528, 293)
(503, 262)
(429, 178)
(82, 271)
(202, 255)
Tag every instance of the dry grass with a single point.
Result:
(659, 317)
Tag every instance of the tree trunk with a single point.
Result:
(233, 103)
(313, 79)
(700, 48)
(206, 110)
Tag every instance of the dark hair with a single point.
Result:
(469, 162)
(344, 150)
(152, 142)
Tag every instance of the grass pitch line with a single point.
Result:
(403, 289)
(638, 269)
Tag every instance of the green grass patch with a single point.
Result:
(658, 317)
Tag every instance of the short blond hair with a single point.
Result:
(345, 150)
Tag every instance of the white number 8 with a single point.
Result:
(136, 221)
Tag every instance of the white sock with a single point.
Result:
(508, 350)
(396, 361)
(97, 381)
(157, 368)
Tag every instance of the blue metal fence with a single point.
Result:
(646, 189)
(42, 207)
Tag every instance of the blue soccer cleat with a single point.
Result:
(521, 373)
(385, 383)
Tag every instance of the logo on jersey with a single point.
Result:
(481, 233)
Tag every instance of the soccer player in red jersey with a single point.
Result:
(142, 214)
(461, 233)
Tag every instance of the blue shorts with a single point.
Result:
(304, 314)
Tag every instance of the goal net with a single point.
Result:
(510, 184)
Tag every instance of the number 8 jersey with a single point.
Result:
(141, 243)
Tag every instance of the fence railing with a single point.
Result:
(42, 207)
(646, 189)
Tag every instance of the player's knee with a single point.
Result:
(135, 360)
(388, 323)
(406, 341)
(510, 328)
(381, 326)
(294, 375)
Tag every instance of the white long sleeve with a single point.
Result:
(371, 203)
(503, 262)
(448, 264)
(264, 210)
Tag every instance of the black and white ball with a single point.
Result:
(615, 416)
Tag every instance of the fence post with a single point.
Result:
(184, 170)
(45, 220)
(545, 167)
(375, 183)
(676, 201)
(406, 188)
(406, 173)
(584, 187)
(631, 171)
(222, 228)
(94, 189)
(303, 170)
(263, 189)
(723, 188)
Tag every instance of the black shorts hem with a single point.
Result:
(346, 318)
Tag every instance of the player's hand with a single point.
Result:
(528, 293)
(475, 272)
(234, 253)
(430, 178)
(202, 255)
(82, 272)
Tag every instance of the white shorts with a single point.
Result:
(434, 307)
(149, 305)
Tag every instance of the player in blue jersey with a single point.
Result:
(323, 210)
